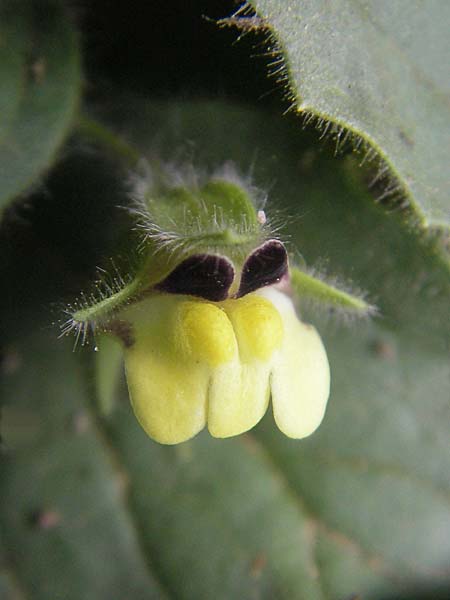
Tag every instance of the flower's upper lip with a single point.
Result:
(266, 265)
(211, 276)
(207, 276)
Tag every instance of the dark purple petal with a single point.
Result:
(266, 265)
(204, 275)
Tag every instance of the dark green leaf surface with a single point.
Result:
(40, 84)
(361, 507)
(378, 68)
(9, 589)
(63, 517)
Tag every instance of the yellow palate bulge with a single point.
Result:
(258, 326)
(204, 332)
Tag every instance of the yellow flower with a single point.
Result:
(191, 362)
(208, 334)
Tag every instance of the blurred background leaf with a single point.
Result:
(379, 70)
(361, 507)
(89, 506)
(39, 92)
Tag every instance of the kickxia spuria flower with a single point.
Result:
(191, 362)
(207, 324)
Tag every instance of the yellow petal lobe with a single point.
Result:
(257, 324)
(203, 331)
(239, 391)
(300, 375)
(168, 393)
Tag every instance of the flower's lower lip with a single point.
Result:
(212, 277)
(217, 364)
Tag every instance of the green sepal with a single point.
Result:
(233, 201)
(217, 216)
(183, 210)
(97, 313)
(318, 291)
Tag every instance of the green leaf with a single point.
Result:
(379, 70)
(40, 73)
(382, 454)
(63, 517)
(9, 589)
(360, 508)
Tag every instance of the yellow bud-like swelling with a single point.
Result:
(239, 392)
(238, 398)
(204, 332)
(258, 326)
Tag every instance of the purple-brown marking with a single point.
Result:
(121, 329)
(204, 275)
(266, 265)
